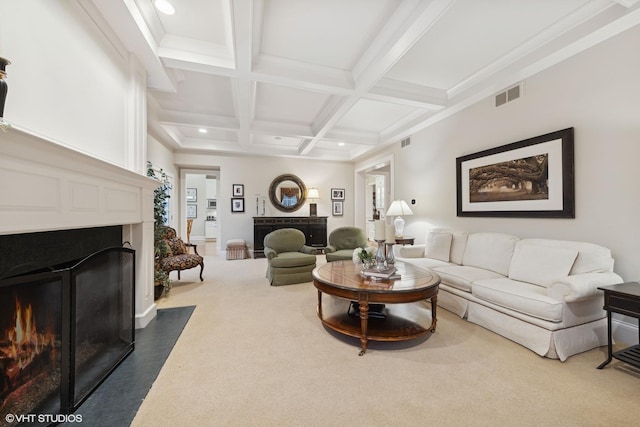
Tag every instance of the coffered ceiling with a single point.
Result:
(335, 79)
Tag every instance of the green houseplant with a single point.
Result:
(161, 280)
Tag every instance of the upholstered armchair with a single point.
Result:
(343, 241)
(174, 255)
(289, 259)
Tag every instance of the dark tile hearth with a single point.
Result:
(116, 401)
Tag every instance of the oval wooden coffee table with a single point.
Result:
(342, 279)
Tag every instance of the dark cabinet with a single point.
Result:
(313, 227)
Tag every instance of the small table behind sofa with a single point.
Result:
(623, 298)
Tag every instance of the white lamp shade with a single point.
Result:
(313, 193)
(399, 207)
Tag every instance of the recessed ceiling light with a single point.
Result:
(340, 144)
(202, 130)
(165, 7)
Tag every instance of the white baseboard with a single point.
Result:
(143, 319)
(624, 332)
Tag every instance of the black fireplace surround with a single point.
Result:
(63, 330)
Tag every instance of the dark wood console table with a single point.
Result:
(623, 298)
(313, 227)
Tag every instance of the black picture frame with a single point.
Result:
(337, 194)
(237, 190)
(337, 208)
(509, 181)
(237, 204)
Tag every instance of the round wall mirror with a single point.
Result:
(287, 193)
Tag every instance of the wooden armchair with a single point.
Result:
(174, 255)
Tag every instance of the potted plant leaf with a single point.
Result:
(161, 280)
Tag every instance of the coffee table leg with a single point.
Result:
(364, 319)
(434, 318)
(320, 304)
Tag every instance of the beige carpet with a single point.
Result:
(256, 355)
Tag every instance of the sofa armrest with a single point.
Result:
(413, 251)
(270, 253)
(581, 286)
(308, 250)
(329, 249)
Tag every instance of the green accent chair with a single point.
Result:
(289, 259)
(343, 241)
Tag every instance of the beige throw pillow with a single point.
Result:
(438, 245)
(541, 265)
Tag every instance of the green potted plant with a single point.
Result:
(161, 280)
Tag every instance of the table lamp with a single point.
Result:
(399, 208)
(313, 195)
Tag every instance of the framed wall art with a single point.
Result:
(337, 194)
(533, 178)
(237, 204)
(192, 195)
(238, 190)
(337, 208)
(192, 211)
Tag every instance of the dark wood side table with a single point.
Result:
(623, 298)
(405, 240)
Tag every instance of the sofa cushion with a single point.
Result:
(519, 296)
(539, 264)
(490, 251)
(428, 263)
(458, 246)
(461, 276)
(591, 258)
(438, 245)
(292, 259)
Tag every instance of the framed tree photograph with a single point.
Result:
(192, 195)
(237, 204)
(337, 208)
(238, 190)
(533, 178)
(337, 194)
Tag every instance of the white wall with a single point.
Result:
(597, 93)
(256, 173)
(66, 82)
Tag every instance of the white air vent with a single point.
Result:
(405, 142)
(509, 95)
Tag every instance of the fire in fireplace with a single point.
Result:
(62, 332)
(30, 345)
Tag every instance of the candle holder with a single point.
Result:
(380, 258)
(3, 92)
(390, 258)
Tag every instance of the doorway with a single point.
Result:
(374, 193)
(199, 211)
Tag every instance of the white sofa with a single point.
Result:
(540, 293)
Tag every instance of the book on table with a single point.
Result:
(384, 273)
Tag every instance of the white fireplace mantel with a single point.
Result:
(45, 186)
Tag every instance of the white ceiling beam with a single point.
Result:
(301, 75)
(558, 29)
(127, 22)
(405, 27)
(409, 94)
(243, 88)
(180, 118)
